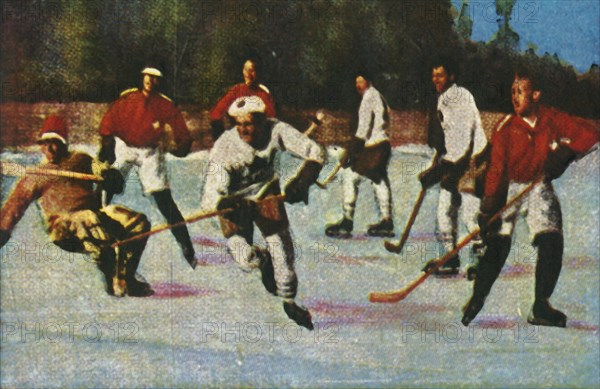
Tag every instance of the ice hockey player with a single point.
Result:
(74, 218)
(244, 157)
(456, 134)
(367, 157)
(137, 130)
(533, 142)
(250, 87)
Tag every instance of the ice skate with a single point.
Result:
(342, 229)
(266, 270)
(299, 314)
(385, 228)
(543, 314)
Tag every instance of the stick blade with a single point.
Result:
(392, 247)
(388, 297)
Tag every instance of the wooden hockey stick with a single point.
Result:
(397, 247)
(316, 121)
(331, 176)
(191, 219)
(401, 294)
(16, 170)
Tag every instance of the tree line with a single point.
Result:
(83, 50)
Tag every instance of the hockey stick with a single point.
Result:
(401, 294)
(16, 170)
(331, 176)
(191, 219)
(397, 247)
(316, 121)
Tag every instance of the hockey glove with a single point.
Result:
(433, 175)
(4, 237)
(233, 202)
(488, 228)
(113, 183)
(452, 173)
(107, 150)
(216, 129)
(557, 162)
(297, 189)
(182, 150)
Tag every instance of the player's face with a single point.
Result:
(149, 83)
(523, 97)
(441, 80)
(249, 72)
(53, 150)
(246, 127)
(361, 84)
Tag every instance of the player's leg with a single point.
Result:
(124, 223)
(383, 197)
(272, 220)
(545, 223)
(497, 248)
(238, 229)
(125, 157)
(153, 175)
(469, 210)
(343, 228)
(83, 232)
(447, 228)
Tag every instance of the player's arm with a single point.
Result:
(218, 112)
(107, 139)
(113, 181)
(181, 133)
(27, 190)
(269, 105)
(216, 180)
(496, 180)
(577, 136)
(294, 141)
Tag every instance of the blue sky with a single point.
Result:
(570, 28)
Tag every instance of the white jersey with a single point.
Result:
(236, 167)
(461, 123)
(373, 118)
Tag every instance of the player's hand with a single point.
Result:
(232, 202)
(429, 177)
(297, 189)
(4, 237)
(557, 162)
(107, 149)
(487, 227)
(451, 175)
(113, 183)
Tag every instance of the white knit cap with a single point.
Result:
(245, 105)
(152, 72)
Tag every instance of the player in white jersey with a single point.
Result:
(368, 156)
(243, 176)
(461, 146)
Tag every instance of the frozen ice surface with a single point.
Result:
(216, 326)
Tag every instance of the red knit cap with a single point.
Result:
(54, 127)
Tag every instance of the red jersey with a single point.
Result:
(519, 151)
(242, 90)
(55, 195)
(139, 120)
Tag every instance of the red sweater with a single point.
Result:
(132, 116)
(519, 151)
(241, 90)
(55, 195)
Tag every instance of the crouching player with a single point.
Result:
(536, 141)
(244, 160)
(74, 218)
